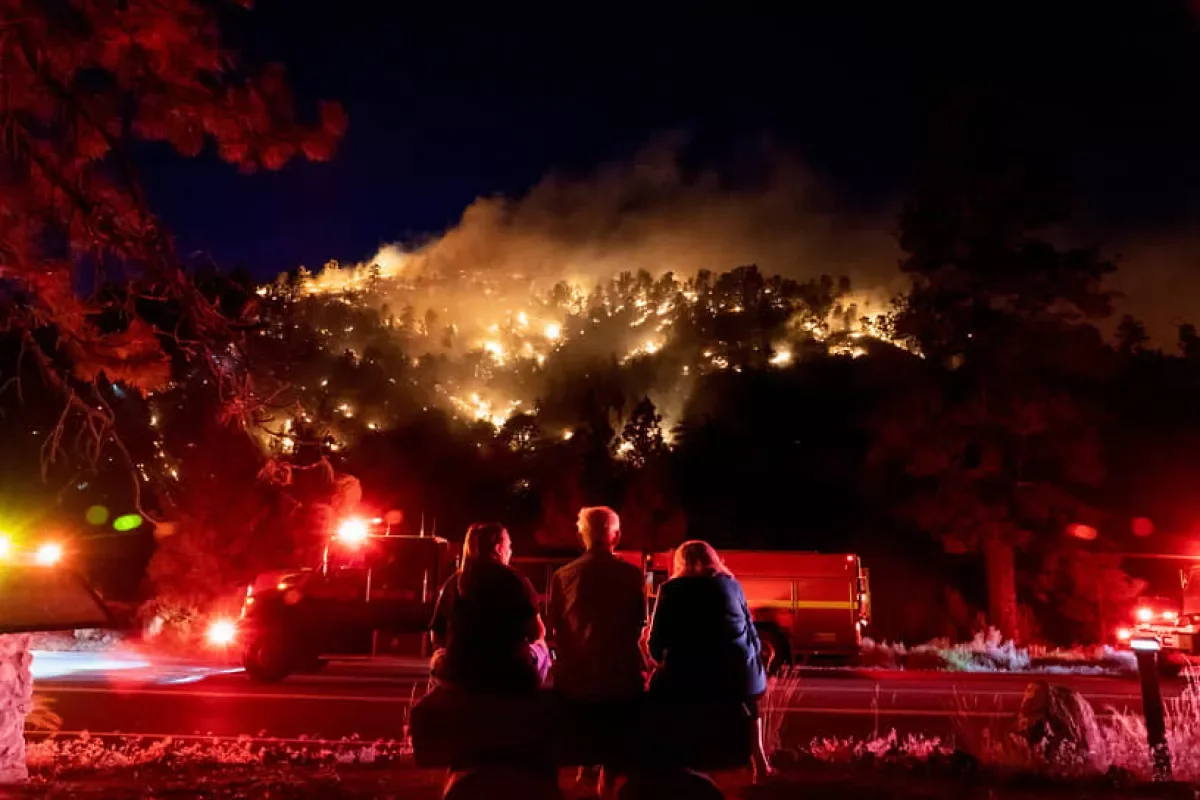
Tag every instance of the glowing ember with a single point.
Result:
(553, 331)
(496, 350)
(782, 357)
(496, 414)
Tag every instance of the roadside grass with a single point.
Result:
(1110, 745)
(990, 652)
(984, 759)
(932, 780)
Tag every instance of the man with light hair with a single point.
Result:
(599, 526)
(596, 612)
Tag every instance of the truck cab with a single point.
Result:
(372, 589)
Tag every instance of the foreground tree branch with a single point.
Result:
(83, 80)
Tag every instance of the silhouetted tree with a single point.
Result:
(999, 437)
(1131, 336)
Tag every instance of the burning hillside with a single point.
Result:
(489, 348)
(582, 292)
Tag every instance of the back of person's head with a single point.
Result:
(600, 528)
(698, 558)
(488, 541)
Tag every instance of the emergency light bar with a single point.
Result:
(353, 532)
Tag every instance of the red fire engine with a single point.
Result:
(1173, 624)
(807, 606)
(373, 587)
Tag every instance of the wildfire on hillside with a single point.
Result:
(488, 346)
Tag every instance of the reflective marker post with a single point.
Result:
(1146, 651)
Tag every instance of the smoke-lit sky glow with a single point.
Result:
(455, 126)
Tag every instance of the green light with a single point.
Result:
(96, 515)
(127, 522)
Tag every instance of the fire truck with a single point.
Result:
(807, 606)
(1173, 624)
(374, 589)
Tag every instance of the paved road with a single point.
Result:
(110, 694)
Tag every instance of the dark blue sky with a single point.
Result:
(447, 106)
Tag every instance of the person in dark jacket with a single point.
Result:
(704, 641)
(487, 622)
(596, 613)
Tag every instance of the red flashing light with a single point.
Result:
(850, 559)
(1145, 614)
(49, 554)
(353, 531)
(1124, 634)
(222, 632)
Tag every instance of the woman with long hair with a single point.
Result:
(487, 620)
(704, 641)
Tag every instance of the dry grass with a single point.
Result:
(990, 652)
(1116, 744)
(1113, 742)
(42, 717)
(783, 691)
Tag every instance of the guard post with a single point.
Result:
(1146, 650)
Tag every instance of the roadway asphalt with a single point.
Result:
(111, 694)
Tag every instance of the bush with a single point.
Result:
(991, 653)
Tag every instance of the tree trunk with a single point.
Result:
(16, 701)
(1000, 563)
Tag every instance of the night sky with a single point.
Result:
(448, 106)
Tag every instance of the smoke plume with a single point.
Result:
(653, 214)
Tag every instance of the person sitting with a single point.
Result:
(486, 623)
(596, 612)
(704, 642)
